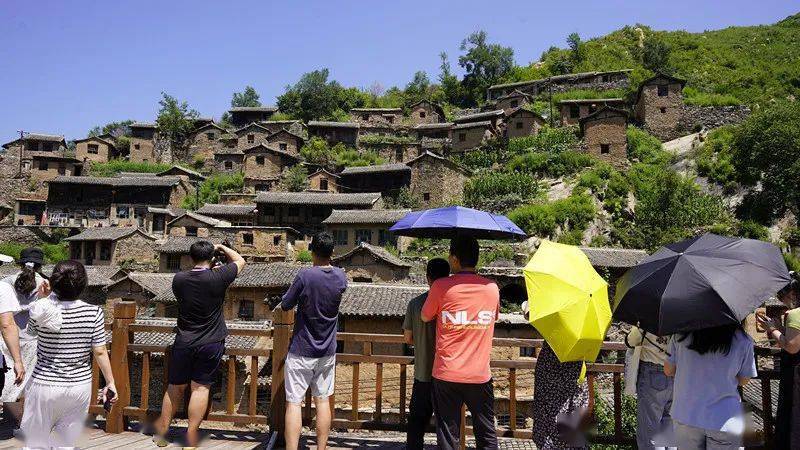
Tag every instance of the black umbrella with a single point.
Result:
(699, 283)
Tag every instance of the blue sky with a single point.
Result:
(69, 65)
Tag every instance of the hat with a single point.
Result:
(5, 259)
(31, 255)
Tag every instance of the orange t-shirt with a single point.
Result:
(465, 307)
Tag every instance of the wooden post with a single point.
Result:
(124, 315)
(283, 322)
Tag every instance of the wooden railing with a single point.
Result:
(358, 417)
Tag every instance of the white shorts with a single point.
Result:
(301, 372)
(54, 415)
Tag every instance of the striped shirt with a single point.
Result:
(64, 356)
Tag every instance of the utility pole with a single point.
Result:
(196, 194)
(21, 148)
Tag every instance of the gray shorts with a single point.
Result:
(301, 372)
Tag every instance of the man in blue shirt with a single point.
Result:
(317, 293)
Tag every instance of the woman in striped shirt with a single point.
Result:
(69, 332)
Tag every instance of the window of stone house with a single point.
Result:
(42, 165)
(323, 185)
(606, 78)
(605, 149)
(228, 165)
(592, 108)
(663, 90)
(363, 235)
(32, 146)
(26, 165)
(210, 136)
(519, 125)
(385, 238)
(426, 196)
(191, 231)
(663, 110)
(282, 146)
(62, 169)
(276, 240)
(247, 238)
(251, 138)
(365, 117)
(398, 154)
(105, 250)
(136, 146)
(422, 114)
(390, 119)
(574, 111)
(514, 103)
(93, 149)
(123, 212)
(246, 309)
(144, 160)
(462, 137)
(260, 160)
(262, 187)
(293, 211)
(340, 237)
(269, 210)
(174, 262)
(47, 147)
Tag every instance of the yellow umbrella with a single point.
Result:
(568, 301)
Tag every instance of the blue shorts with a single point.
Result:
(198, 364)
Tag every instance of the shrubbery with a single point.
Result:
(212, 187)
(572, 215)
(116, 166)
(53, 253)
(548, 139)
(317, 151)
(645, 147)
(551, 164)
(714, 158)
(500, 191)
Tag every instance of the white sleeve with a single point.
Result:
(8, 298)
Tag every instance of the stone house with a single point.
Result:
(614, 79)
(205, 139)
(352, 227)
(96, 149)
(436, 180)
(368, 263)
(513, 100)
(286, 141)
(173, 252)
(194, 225)
(250, 135)
(236, 214)
(182, 172)
(376, 116)
(387, 179)
(260, 243)
(335, 132)
(305, 211)
(442, 130)
(141, 288)
(604, 135)
(494, 117)
(659, 106)
(425, 111)
(295, 126)
(105, 246)
(263, 166)
(572, 111)
(523, 122)
(111, 201)
(242, 115)
(157, 219)
(29, 211)
(143, 146)
(229, 160)
(390, 150)
(376, 308)
(471, 135)
(323, 181)
(41, 168)
(36, 143)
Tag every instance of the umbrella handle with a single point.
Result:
(582, 376)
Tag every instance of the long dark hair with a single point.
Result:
(26, 280)
(716, 339)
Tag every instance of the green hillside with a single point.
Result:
(737, 64)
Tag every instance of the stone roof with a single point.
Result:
(228, 151)
(56, 157)
(378, 252)
(124, 181)
(557, 78)
(209, 125)
(168, 338)
(182, 171)
(318, 198)
(441, 159)
(323, 170)
(285, 131)
(600, 112)
(377, 110)
(591, 100)
(38, 137)
(253, 109)
(178, 245)
(261, 147)
(436, 106)
(269, 275)
(355, 216)
(248, 126)
(169, 210)
(433, 126)
(101, 138)
(378, 300)
(144, 125)
(106, 234)
(461, 126)
(522, 109)
(479, 116)
(514, 93)
(155, 283)
(200, 218)
(380, 168)
(216, 209)
(319, 123)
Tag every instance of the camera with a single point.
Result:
(220, 258)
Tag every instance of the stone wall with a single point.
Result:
(609, 132)
(709, 117)
(271, 165)
(660, 114)
(142, 150)
(267, 244)
(591, 85)
(22, 235)
(285, 142)
(228, 163)
(424, 113)
(394, 152)
(135, 248)
(465, 139)
(250, 137)
(103, 154)
(442, 184)
(523, 123)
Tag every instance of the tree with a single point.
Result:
(418, 88)
(249, 97)
(295, 178)
(485, 64)
(654, 55)
(451, 87)
(175, 120)
(576, 47)
(115, 129)
(313, 97)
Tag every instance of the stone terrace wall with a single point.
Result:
(711, 117)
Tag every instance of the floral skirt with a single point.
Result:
(11, 391)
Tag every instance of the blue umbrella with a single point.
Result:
(452, 221)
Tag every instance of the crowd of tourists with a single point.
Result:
(686, 384)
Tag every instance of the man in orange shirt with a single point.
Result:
(465, 307)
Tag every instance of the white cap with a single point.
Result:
(5, 259)
(524, 307)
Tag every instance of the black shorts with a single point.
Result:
(198, 364)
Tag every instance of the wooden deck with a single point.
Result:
(96, 438)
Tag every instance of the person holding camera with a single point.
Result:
(200, 339)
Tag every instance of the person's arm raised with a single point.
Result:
(233, 256)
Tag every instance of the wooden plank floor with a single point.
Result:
(97, 439)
